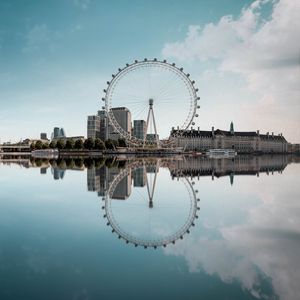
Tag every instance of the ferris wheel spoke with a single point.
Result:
(173, 91)
(166, 84)
(141, 112)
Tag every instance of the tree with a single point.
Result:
(38, 145)
(78, 161)
(45, 145)
(78, 144)
(70, 144)
(89, 143)
(111, 144)
(122, 143)
(60, 144)
(99, 145)
(88, 162)
(32, 146)
(52, 145)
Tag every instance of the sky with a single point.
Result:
(56, 56)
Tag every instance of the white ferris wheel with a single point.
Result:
(156, 92)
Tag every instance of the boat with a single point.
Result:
(220, 153)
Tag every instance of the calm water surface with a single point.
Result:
(184, 228)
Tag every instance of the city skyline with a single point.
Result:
(55, 60)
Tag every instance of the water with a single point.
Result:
(231, 229)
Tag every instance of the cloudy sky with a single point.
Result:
(55, 57)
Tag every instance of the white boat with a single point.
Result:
(215, 153)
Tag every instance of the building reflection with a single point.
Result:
(100, 179)
(58, 173)
(139, 177)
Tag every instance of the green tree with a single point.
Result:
(78, 162)
(99, 145)
(89, 162)
(60, 144)
(111, 144)
(38, 162)
(38, 145)
(89, 143)
(45, 145)
(70, 163)
(32, 146)
(78, 144)
(70, 144)
(122, 143)
(52, 145)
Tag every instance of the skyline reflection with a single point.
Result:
(246, 231)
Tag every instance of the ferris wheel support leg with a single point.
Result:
(147, 124)
(155, 131)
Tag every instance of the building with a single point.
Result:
(241, 141)
(103, 125)
(123, 117)
(139, 177)
(239, 165)
(139, 129)
(93, 179)
(58, 133)
(98, 126)
(43, 136)
(93, 127)
(294, 148)
(152, 137)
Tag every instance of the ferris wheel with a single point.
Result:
(157, 95)
(151, 217)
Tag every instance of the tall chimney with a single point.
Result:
(213, 131)
(257, 132)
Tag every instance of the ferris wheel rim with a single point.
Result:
(184, 77)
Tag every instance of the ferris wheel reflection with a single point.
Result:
(157, 210)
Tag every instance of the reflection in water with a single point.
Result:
(247, 230)
(261, 257)
(150, 217)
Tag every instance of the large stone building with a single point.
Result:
(241, 141)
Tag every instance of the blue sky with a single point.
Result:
(55, 58)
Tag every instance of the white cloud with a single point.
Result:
(264, 246)
(264, 52)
